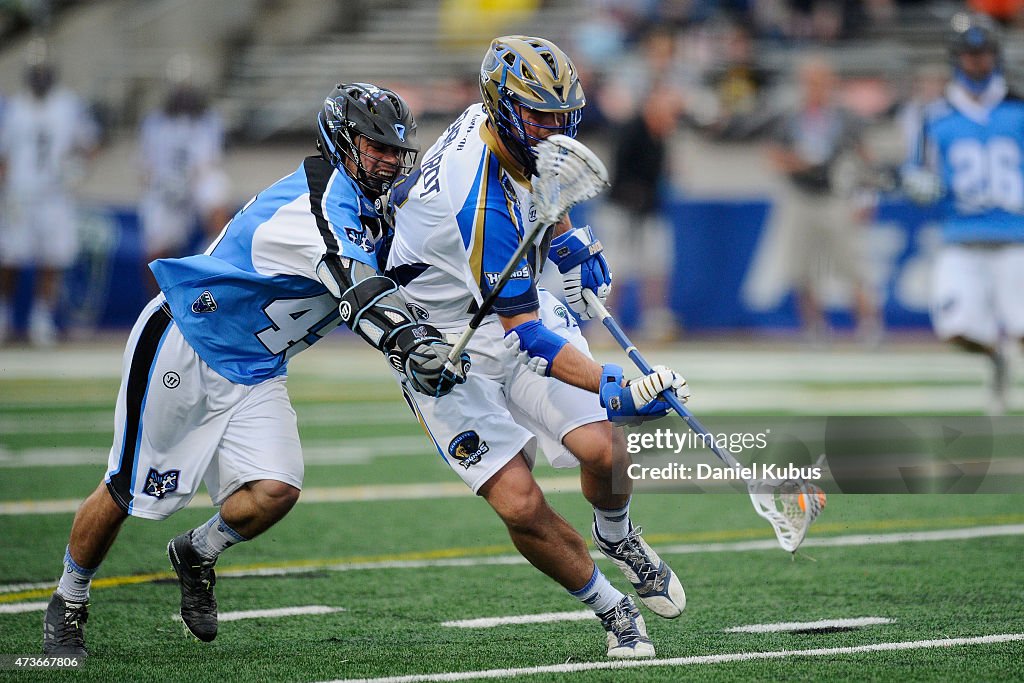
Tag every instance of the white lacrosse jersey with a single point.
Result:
(254, 300)
(39, 140)
(459, 220)
(175, 150)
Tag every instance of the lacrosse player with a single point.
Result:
(969, 157)
(180, 154)
(45, 134)
(203, 395)
(459, 219)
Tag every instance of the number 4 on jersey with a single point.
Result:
(294, 320)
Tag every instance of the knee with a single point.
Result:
(525, 514)
(275, 496)
(596, 446)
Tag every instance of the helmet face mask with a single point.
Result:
(523, 80)
(974, 51)
(368, 132)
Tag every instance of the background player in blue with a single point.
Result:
(203, 393)
(970, 158)
(458, 222)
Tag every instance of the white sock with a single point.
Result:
(214, 537)
(599, 595)
(75, 581)
(612, 525)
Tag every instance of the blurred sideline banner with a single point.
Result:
(728, 272)
(725, 275)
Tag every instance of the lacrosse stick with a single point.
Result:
(789, 505)
(567, 173)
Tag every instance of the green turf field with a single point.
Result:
(389, 538)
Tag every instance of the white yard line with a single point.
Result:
(274, 613)
(337, 494)
(690, 661)
(20, 607)
(810, 625)
(681, 549)
(545, 618)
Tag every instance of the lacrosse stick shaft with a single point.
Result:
(645, 367)
(495, 292)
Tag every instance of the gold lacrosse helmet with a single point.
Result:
(523, 71)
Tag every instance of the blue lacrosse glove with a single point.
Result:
(535, 345)
(577, 253)
(639, 399)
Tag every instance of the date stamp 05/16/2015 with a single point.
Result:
(40, 662)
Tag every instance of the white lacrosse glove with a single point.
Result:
(577, 253)
(639, 399)
(921, 185)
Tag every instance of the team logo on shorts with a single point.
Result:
(159, 484)
(468, 448)
(205, 303)
(418, 311)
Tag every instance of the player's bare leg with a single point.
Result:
(246, 513)
(8, 285)
(42, 328)
(551, 545)
(601, 450)
(1000, 382)
(96, 525)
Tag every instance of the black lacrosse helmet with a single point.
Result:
(973, 33)
(378, 114)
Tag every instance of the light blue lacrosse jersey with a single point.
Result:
(253, 299)
(977, 148)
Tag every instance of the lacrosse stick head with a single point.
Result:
(567, 173)
(790, 506)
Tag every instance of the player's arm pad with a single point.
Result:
(535, 345)
(369, 303)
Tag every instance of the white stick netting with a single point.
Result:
(567, 173)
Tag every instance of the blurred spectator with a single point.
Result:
(1005, 11)
(927, 87)
(657, 61)
(44, 135)
(739, 90)
(816, 217)
(181, 152)
(632, 220)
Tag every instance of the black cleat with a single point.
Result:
(63, 627)
(196, 579)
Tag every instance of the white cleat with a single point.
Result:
(627, 633)
(655, 583)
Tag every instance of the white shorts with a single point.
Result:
(820, 239)
(976, 292)
(166, 226)
(178, 423)
(504, 408)
(38, 232)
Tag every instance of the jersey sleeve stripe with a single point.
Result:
(476, 256)
(318, 176)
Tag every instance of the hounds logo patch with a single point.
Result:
(468, 448)
(159, 484)
(205, 303)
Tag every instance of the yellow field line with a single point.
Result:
(491, 550)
